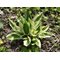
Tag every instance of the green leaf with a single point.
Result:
(13, 25)
(43, 32)
(20, 25)
(37, 17)
(32, 24)
(27, 41)
(13, 36)
(45, 28)
(1, 24)
(26, 27)
(3, 49)
(22, 19)
(37, 21)
(36, 42)
(37, 24)
(34, 48)
(44, 35)
(58, 9)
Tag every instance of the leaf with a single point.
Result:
(20, 25)
(13, 25)
(37, 24)
(44, 35)
(36, 42)
(37, 17)
(22, 19)
(34, 48)
(1, 24)
(37, 21)
(13, 36)
(58, 9)
(27, 41)
(45, 28)
(26, 27)
(3, 49)
(32, 24)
